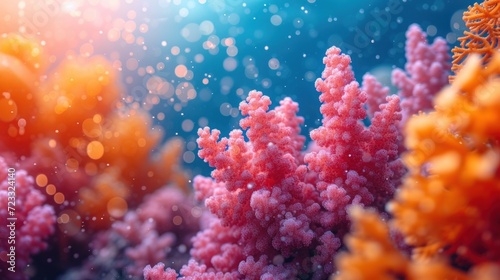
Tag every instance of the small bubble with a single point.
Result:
(177, 220)
(182, 248)
(274, 63)
(276, 20)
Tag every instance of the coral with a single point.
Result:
(363, 160)
(483, 22)
(446, 208)
(375, 94)
(280, 212)
(34, 221)
(427, 70)
(159, 230)
(373, 255)
(453, 152)
(158, 272)
(88, 150)
(21, 61)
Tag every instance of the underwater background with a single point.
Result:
(189, 64)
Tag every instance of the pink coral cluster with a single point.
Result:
(279, 211)
(362, 161)
(31, 221)
(159, 230)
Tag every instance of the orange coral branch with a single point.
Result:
(483, 22)
(450, 207)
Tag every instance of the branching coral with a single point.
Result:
(426, 72)
(483, 24)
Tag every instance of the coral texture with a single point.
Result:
(375, 94)
(373, 255)
(483, 23)
(453, 152)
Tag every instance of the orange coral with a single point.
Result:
(20, 63)
(447, 208)
(452, 194)
(373, 256)
(86, 149)
(483, 24)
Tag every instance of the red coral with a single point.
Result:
(376, 93)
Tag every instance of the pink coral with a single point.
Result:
(159, 230)
(280, 213)
(427, 70)
(33, 224)
(158, 272)
(363, 161)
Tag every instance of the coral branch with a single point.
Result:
(483, 24)
(426, 72)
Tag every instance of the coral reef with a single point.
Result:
(446, 207)
(100, 193)
(281, 211)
